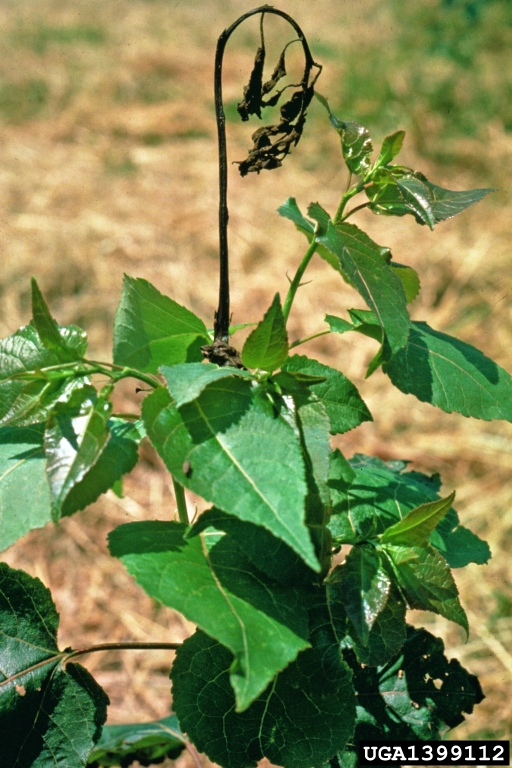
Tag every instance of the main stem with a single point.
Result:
(222, 315)
(294, 285)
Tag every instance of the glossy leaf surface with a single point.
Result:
(387, 634)
(446, 203)
(426, 581)
(356, 144)
(209, 580)
(118, 457)
(75, 437)
(53, 715)
(452, 375)
(299, 721)
(364, 588)
(151, 329)
(210, 437)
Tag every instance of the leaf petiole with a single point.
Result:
(309, 338)
(65, 656)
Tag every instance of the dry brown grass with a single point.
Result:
(106, 179)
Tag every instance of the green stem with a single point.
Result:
(292, 290)
(181, 502)
(308, 338)
(124, 372)
(338, 217)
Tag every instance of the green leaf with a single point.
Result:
(375, 281)
(226, 468)
(24, 492)
(118, 457)
(145, 742)
(458, 545)
(356, 144)
(417, 198)
(69, 343)
(450, 374)
(418, 695)
(409, 279)
(49, 712)
(267, 346)
(76, 435)
(302, 719)
(364, 588)
(343, 403)
(415, 528)
(42, 320)
(25, 402)
(209, 580)
(290, 210)
(25, 501)
(397, 191)
(446, 203)
(151, 329)
(186, 382)
(340, 469)
(387, 634)
(268, 554)
(384, 194)
(426, 581)
(314, 426)
(380, 494)
(391, 147)
(337, 324)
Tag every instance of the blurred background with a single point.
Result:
(108, 165)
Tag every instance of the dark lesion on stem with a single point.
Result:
(222, 354)
(271, 144)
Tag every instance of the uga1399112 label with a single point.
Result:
(467, 753)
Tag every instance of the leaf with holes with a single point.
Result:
(46, 709)
(304, 717)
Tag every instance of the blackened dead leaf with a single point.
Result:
(251, 103)
(272, 143)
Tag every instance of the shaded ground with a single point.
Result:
(108, 164)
